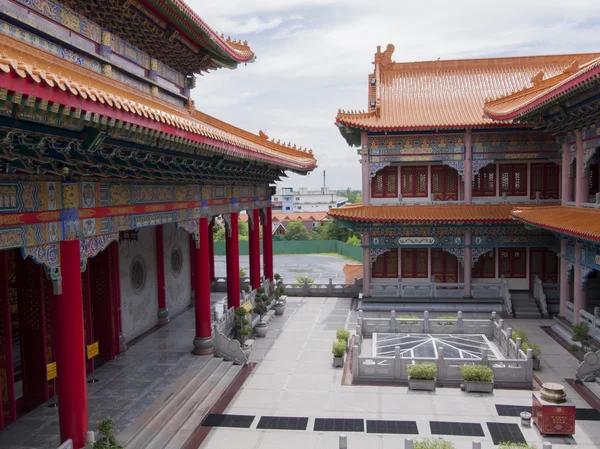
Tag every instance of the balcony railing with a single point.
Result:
(402, 289)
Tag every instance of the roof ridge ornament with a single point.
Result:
(263, 135)
(573, 68)
(384, 59)
(538, 78)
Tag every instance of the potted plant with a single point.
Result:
(433, 443)
(536, 350)
(261, 307)
(242, 330)
(338, 350)
(477, 378)
(343, 335)
(422, 376)
(279, 305)
(279, 286)
(106, 428)
(581, 335)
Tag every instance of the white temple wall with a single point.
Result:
(177, 284)
(139, 304)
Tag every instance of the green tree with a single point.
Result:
(318, 233)
(354, 196)
(296, 231)
(353, 240)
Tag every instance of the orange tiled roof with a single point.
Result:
(428, 213)
(577, 222)
(542, 90)
(447, 94)
(302, 216)
(24, 61)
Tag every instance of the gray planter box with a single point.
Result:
(261, 330)
(536, 364)
(279, 308)
(338, 362)
(479, 387)
(425, 385)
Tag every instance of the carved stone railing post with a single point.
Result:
(393, 321)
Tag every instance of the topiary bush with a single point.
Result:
(241, 324)
(106, 428)
(261, 306)
(446, 320)
(511, 445)
(581, 335)
(338, 348)
(433, 443)
(476, 373)
(519, 334)
(343, 334)
(537, 351)
(422, 371)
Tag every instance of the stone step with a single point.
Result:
(159, 414)
(527, 314)
(198, 412)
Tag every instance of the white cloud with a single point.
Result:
(314, 57)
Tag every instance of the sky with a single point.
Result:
(314, 56)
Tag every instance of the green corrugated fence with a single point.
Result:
(302, 247)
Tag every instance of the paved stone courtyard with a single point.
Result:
(295, 378)
(320, 267)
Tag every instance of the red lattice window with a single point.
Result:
(444, 266)
(485, 267)
(414, 181)
(444, 183)
(386, 265)
(513, 179)
(544, 179)
(385, 183)
(513, 262)
(485, 182)
(594, 178)
(414, 263)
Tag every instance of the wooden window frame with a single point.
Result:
(478, 270)
(543, 170)
(511, 170)
(510, 255)
(385, 174)
(478, 178)
(390, 269)
(415, 170)
(413, 268)
(445, 194)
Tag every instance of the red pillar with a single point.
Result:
(116, 288)
(233, 263)
(211, 249)
(203, 343)
(70, 348)
(268, 244)
(254, 250)
(163, 313)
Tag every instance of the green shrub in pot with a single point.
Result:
(422, 371)
(476, 373)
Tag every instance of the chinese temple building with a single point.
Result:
(468, 174)
(110, 181)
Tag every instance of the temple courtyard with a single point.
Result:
(291, 375)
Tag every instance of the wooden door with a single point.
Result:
(444, 266)
(543, 263)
